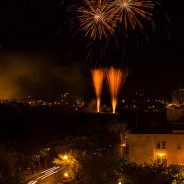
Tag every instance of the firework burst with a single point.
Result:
(132, 12)
(96, 18)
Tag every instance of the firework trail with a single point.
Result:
(98, 76)
(133, 12)
(115, 80)
(106, 25)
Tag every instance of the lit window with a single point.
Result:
(163, 144)
(178, 146)
(158, 144)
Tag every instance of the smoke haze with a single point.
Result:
(23, 75)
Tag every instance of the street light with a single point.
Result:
(161, 154)
(162, 158)
(66, 175)
(65, 157)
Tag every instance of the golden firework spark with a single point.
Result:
(131, 12)
(96, 18)
(98, 76)
(115, 80)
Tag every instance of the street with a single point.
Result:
(53, 175)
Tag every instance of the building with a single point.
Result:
(175, 114)
(163, 148)
(178, 97)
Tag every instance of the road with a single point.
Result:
(53, 175)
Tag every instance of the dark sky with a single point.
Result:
(41, 56)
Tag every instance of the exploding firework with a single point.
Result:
(98, 76)
(104, 22)
(115, 80)
(96, 18)
(131, 12)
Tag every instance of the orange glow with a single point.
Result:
(98, 75)
(131, 12)
(115, 80)
(96, 18)
(98, 104)
(114, 104)
(124, 4)
(65, 157)
(161, 154)
(66, 174)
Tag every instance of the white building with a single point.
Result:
(163, 148)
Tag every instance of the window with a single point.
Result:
(179, 146)
(158, 144)
(163, 144)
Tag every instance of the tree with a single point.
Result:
(119, 130)
(95, 158)
(149, 173)
(98, 169)
(69, 162)
(9, 171)
(44, 152)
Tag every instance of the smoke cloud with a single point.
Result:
(23, 75)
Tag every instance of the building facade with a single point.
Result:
(178, 97)
(175, 114)
(163, 148)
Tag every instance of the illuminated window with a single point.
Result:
(158, 144)
(178, 146)
(163, 144)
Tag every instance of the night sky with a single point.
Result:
(41, 56)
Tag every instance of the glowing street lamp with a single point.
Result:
(65, 157)
(162, 157)
(66, 175)
(65, 178)
(161, 154)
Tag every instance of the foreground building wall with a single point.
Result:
(163, 148)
